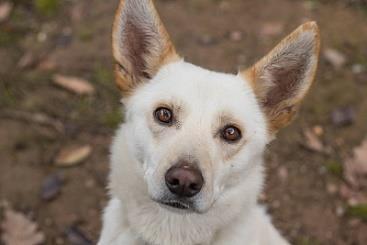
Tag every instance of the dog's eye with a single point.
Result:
(231, 134)
(163, 115)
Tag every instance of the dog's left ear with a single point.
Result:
(140, 43)
(282, 78)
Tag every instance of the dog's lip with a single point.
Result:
(176, 204)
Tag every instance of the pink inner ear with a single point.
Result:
(136, 42)
(286, 77)
(286, 72)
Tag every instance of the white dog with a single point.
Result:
(186, 166)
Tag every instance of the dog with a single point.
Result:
(187, 163)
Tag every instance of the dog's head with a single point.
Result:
(198, 134)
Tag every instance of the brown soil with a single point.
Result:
(78, 43)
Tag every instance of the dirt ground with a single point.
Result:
(304, 188)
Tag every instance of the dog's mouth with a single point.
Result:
(176, 205)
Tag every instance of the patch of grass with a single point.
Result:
(103, 76)
(85, 35)
(334, 167)
(47, 7)
(306, 241)
(84, 106)
(113, 119)
(9, 94)
(7, 38)
(312, 4)
(358, 211)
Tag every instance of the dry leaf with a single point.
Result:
(312, 141)
(351, 196)
(72, 155)
(38, 118)
(271, 29)
(26, 61)
(334, 57)
(5, 10)
(19, 230)
(318, 130)
(355, 168)
(47, 65)
(76, 85)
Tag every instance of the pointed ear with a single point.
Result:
(282, 78)
(140, 43)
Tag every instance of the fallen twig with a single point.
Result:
(37, 118)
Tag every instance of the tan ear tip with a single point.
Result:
(311, 26)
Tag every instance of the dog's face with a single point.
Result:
(198, 134)
(206, 122)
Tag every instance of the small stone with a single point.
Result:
(42, 37)
(339, 211)
(206, 40)
(343, 116)
(236, 36)
(357, 68)
(275, 204)
(51, 187)
(283, 173)
(318, 130)
(77, 237)
(90, 183)
(335, 58)
(331, 188)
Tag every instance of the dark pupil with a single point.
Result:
(231, 132)
(164, 115)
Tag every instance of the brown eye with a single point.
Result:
(231, 134)
(163, 115)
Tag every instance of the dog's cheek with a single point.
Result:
(139, 139)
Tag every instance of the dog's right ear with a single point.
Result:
(141, 45)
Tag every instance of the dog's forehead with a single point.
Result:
(194, 85)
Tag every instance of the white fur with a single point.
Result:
(228, 213)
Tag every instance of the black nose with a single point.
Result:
(184, 180)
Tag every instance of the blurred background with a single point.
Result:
(59, 108)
